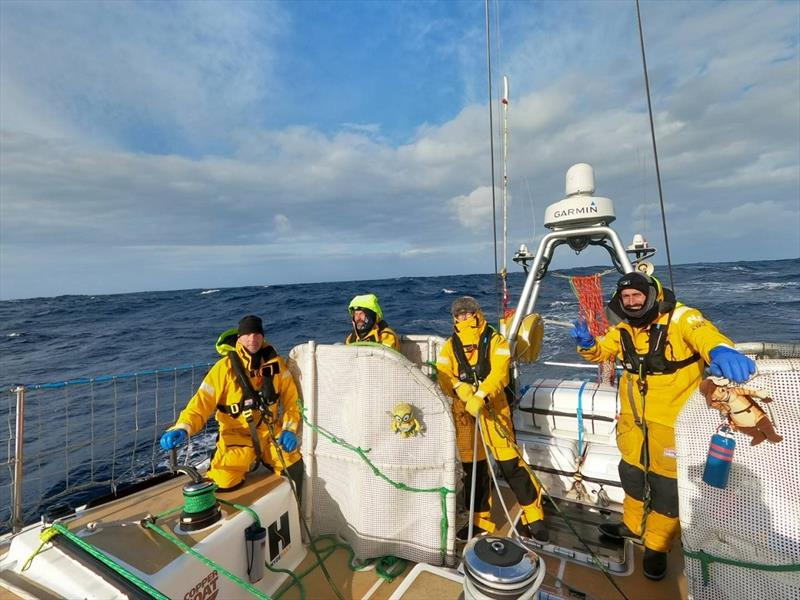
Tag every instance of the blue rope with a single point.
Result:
(580, 421)
(106, 378)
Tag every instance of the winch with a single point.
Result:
(499, 567)
(200, 506)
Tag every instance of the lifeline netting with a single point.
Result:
(400, 501)
(755, 520)
(591, 308)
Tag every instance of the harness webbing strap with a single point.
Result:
(632, 401)
(655, 361)
(252, 400)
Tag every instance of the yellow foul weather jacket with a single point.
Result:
(380, 333)
(221, 387)
(688, 333)
(492, 389)
(690, 338)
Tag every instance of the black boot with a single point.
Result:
(654, 564)
(462, 533)
(617, 531)
(536, 530)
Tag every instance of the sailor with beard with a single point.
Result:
(368, 324)
(664, 347)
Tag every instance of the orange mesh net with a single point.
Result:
(591, 308)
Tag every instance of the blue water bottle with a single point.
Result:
(719, 458)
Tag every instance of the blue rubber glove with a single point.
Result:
(287, 440)
(173, 438)
(580, 333)
(731, 364)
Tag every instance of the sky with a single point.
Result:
(178, 145)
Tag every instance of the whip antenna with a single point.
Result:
(504, 272)
(491, 151)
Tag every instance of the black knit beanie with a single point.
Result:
(251, 324)
(636, 281)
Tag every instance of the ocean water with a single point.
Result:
(56, 339)
(46, 340)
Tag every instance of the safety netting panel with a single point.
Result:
(383, 492)
(753, 524)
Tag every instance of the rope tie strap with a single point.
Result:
(389, 567)
(706, 560)
(46, 535)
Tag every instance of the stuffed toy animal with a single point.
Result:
(739, 406)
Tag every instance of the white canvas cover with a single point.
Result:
(600, 469)
(756, 518)
(349, 392)
(556, 407)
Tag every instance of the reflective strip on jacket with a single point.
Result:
(688, 333)
(221, 386)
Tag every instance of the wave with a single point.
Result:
(15, 334)
(208, 292)
(766, 285)
(446, 291)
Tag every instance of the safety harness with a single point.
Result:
(375, 336)
(474, 374)
(254, 405)
(654, 361)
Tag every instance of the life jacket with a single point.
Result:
(476, 373)
(374, 334)
(655, 361)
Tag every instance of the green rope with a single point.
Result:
(295, 581)
(209, 563)
(706, 560)
(442, 491)
(103, 558)
(198, 502)
(383, 567)
(168, 512)
(434, 375)
(387, 568)
(246, 509)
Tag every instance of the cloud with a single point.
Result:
(228, 192)
(474, 209)
(147, 75)
(282, 224)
